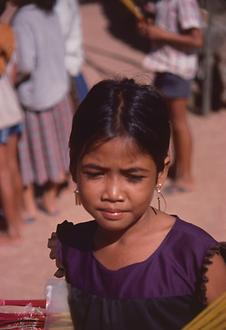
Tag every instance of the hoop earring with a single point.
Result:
(160, 196)
(77, 197)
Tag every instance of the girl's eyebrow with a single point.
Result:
(134, 170)
(93, 166)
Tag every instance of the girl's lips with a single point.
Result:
(112, 215)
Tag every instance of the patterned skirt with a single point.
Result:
(43, 147)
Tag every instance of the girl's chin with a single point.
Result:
(114, 225)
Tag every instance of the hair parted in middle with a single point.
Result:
(117, 108)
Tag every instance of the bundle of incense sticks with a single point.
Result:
(133, 8)
(212, 318)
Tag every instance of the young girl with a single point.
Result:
(134, 265)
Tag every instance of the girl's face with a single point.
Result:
(116, 182)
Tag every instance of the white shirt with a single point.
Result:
(69, 16)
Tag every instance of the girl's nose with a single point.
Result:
(113, 191)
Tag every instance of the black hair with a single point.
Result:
(2, 6)
(121, 108)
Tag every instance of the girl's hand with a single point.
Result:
(52, 246)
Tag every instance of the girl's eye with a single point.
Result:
(134, 178)
(93, 175)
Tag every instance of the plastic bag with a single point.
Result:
(57, 309)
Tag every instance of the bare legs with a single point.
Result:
(182, 142)
(10, 187)
(29, 204)
(48, 200)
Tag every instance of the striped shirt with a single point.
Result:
(174, 16)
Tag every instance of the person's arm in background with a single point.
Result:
(11, 70)
(25, 50)
(191, 38)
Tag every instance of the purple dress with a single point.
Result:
(162, 292)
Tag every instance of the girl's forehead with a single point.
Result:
(122, 144)
(117, 150)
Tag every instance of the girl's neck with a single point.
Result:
(140, 227)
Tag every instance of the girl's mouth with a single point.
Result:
(112, 214)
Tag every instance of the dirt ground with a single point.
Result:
(25, 266)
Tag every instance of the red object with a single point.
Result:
(21, 320)
(34, 302)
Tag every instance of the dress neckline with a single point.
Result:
(161, 246)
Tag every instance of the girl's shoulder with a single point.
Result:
(189, 242)
(192, 233)
(208, 258)
(185, 234)
(76, 235)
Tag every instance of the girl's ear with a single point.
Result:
(163, 174)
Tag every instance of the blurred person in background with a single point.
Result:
(10, 130)
(213, 57)
(175, 35)
(70, 21)
(42, 86)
